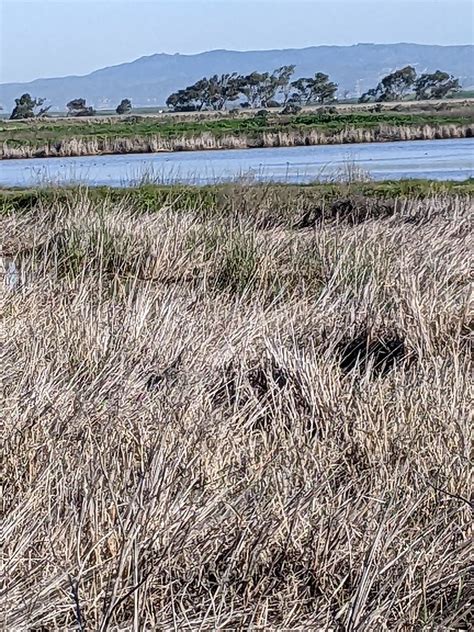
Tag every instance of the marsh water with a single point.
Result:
(434, 159)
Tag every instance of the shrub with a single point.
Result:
(291, 109)
(124, 107)
(273, 104)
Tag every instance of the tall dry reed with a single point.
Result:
(240, 421)
(208, 140)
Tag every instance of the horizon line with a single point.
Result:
(230, 50)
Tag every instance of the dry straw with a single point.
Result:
(238, 421)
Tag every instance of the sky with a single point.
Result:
(46, 38)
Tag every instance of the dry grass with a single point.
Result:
(246, 421)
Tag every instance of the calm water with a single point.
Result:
(437, 159)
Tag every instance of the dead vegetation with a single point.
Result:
(203, 141)
(237, 421)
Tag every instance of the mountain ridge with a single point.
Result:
(148, 80)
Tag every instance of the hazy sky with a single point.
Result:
(46, 38)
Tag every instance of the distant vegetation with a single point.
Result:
(256, 90)
(124, 107)
(263, 90)
(25, 107)
(270, 90)
(405, 82)
(137, 134)
(268, 113)
(78, 107)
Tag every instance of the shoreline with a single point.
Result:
(207, 141)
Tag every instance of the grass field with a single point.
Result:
(244, 410)
(45, 137)
(223, 198)
(52, 131)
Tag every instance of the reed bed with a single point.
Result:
(256, 419)
(77, 146)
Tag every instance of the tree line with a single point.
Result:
(266, 90)
(255, 90)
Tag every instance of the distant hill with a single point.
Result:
(149, 80)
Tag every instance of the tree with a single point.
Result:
(221, 90)
(199, 93)
(124, 107)
(324, 90)
(368, 96)
(393, 87)
(192, 98)
(25, 107)
(317, 89)
(281, 81)
(263, 88)
(398, 84)
(213, 93)
(255, 88)
(437, 85)
(78, 107)
(302, 91)
(179, 101)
